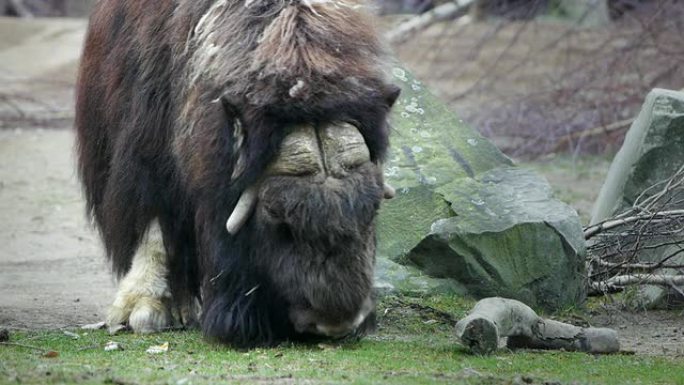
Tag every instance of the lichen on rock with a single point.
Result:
(465, 213)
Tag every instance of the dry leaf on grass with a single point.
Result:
(51, 354)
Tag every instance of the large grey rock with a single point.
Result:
(465, 213)
(652, 152)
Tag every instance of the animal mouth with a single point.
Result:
(324, 154)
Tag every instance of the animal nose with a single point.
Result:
(340, 330)
(332, 330)
(337, 331)
(309, 321)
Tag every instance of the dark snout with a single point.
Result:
(314, 227)
(309, 321)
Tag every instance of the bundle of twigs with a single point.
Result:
(644, 244)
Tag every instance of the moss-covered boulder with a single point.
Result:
(652, 153)
(466, 219)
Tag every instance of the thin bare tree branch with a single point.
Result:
(618, 282)
(628, 240)
(443, 12)
(20, 8)
(611, 224)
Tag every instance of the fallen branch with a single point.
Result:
(674, 182)
(616, 283)
(611, 224)
(36, 348)
(655, 221)
(603, 129)
(494, 318)
(645, 266)
(443, 12)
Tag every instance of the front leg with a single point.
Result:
(143, 300)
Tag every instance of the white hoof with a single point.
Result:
(143, 301)
(150, 316)
(143, 315)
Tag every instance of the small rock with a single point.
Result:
(112, 346)
(72, 335)
(4, 335)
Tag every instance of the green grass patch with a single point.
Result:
(414, 344)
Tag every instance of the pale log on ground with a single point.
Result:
(495, 318)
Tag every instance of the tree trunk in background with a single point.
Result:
(591, 13)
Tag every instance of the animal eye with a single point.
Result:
(391, 95)
(285, 232)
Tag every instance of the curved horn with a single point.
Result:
(243, 209)
(389, 191)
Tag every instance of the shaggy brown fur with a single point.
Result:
(182, 104)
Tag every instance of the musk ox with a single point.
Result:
(231, 154)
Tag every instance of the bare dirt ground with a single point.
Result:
(52, 272)
(655, 332)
